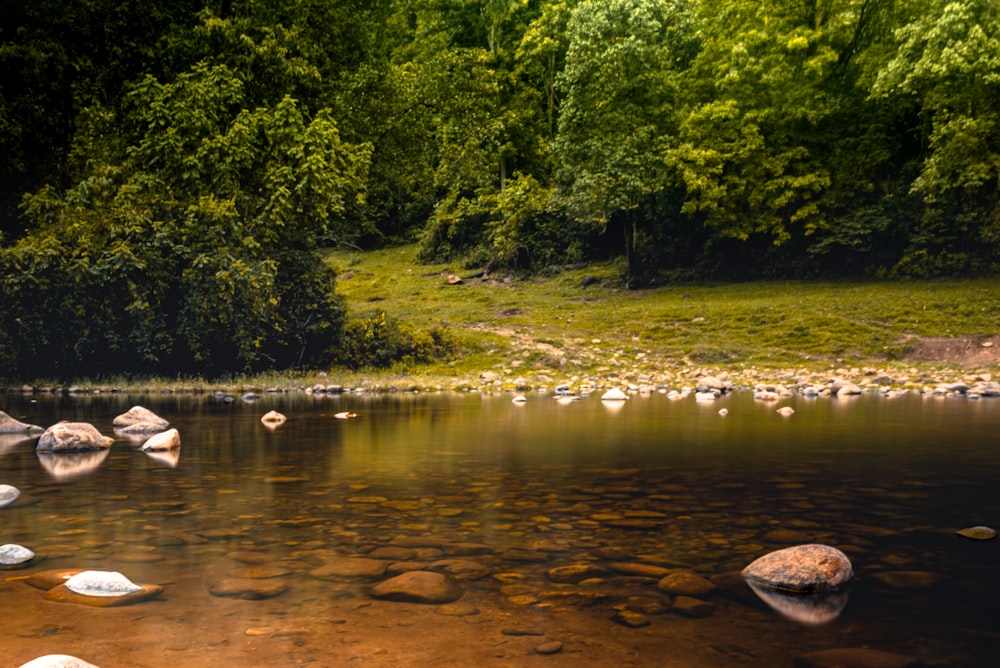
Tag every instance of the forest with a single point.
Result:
(171, 170)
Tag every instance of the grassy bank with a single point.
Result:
(578, 322)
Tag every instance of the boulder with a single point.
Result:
(686, 583)
(9, 425)
(73, 437)
(614, 394)
(138, 419)
(802, 569)
(165, 440)
(419, 587)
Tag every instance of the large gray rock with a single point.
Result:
(140, 420)
(419, 587)
(9, 425)
(802, 569)
(73, 437)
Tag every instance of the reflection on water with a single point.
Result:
(498, 494)
(819, 608)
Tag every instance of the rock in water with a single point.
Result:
(8, 495)
(136, 416)
(802, 569)
(419, 587)
(272, 419)
(975, 533)
(614, 394)
(9, 425)
(73, 437)
(57, 661)
(101, 583)
(14, 556)
(854, 657)
(165, 440)
(101, 589)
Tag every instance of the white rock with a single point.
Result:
(785, 411)
(8, 495)
(11, 554)
(101, 583)
(614, 394)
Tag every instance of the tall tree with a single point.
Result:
(618, 113)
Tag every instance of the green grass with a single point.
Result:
(534, 323)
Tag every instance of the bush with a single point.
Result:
(379, 341)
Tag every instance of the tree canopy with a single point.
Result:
(169, 170)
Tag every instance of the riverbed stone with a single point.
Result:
(461, 569)
(801, 569)
(638, 569)
(854, 657)
(9, 425)
(574, 573)
(66, 437)
(419, 587)
(250, 589)
(690, 606)
(630, 618)
(686, 583)
(350, 568)
(140, 419)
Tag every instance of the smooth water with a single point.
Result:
(510, 492)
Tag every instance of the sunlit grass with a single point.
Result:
(766, 324)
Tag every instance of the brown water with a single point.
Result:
(417, 478)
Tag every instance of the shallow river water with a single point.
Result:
(501, 496)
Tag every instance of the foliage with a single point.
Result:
(379, 341)
(168, 170)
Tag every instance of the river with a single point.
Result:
(502, 496)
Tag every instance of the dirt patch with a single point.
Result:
(967, 351)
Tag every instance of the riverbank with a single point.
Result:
(576, 326)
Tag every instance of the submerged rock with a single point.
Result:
(248, 588)
(73, 437)
(419, 587)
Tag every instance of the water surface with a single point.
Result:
(517, 490)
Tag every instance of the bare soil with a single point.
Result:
(969, 352)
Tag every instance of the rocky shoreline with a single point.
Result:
(768, 383)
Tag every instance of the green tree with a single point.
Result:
(947, 60)
(618, 113)
(193, 246)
